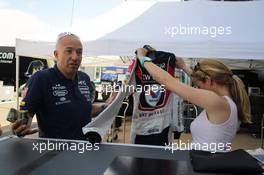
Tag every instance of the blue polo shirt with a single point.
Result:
(62, 106)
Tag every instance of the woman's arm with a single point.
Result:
(180, 64)
(206, 99)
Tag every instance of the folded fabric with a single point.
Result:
(238, 161)
(93, 137)
(97, 129)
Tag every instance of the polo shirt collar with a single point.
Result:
(62, 77)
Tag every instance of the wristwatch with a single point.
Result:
(144, 59)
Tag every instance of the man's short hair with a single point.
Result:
(65, 34)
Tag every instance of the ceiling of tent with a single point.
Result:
(160, 25)
(145, 23)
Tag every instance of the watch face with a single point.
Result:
(148, 59)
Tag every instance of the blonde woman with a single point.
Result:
(221, 94)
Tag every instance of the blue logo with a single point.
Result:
(152, 95)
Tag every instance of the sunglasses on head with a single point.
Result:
(64, 34)
(198, 68)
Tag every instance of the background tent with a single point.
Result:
(207, 29)
(174, 26)
(185, 28)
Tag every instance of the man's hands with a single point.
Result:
(21, 129)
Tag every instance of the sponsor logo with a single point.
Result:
(82, 83)
(153, 97)
(62, 99)
(59, 90)
(60, 93)
(6, 55)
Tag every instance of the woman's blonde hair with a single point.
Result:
(222, 75)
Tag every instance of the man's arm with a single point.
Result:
(31, 102)
(97, 108)
(21, 129)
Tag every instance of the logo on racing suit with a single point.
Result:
(152, 96)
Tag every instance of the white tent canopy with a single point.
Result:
(186, 28)
(87, 30)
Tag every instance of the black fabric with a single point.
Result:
(126, 165)
(153, 100)
(154, 139)
(118, 122)
(165, 61)
(238, 161)
(177, 134)
(93, 137)
(257, 111)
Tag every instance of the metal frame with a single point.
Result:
(112, 134)
(124, 121)
(262, 129)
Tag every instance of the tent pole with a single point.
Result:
(17, 82)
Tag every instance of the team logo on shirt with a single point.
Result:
(82, 83)
(59, 90)
(62, 99)
(84, 89)
(152, 96)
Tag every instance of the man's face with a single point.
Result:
(69, 54)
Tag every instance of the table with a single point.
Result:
(19, 156)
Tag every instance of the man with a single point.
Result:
(61, 96)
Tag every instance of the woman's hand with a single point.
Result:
(141, 52)
(180, 64)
